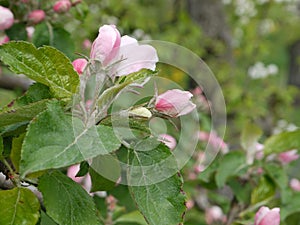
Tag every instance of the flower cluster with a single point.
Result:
(122, 55)
(32, 16)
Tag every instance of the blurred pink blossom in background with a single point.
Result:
(288, 156)
(295, 184)
(36, 16)
(6, 18)
(266, 216)
(4, 39)
(214, 214)
(214, 140)
(62, 6)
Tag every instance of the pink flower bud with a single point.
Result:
(4, 39)
(86, 44)
(265, 216)
(30, 30)
(259, 151)
(79, 65)
(6, 18)
(295, 184)
(214, 214)
(189, 204)
(168, 140)
(106, 45)
(36, 16)
(62, 6)
(288, 156)
(72, 171)
(174, 103)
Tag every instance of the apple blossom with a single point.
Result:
(295, 184)
(36, 16)
(123, 54)
(214, 140)
(4, 39)
(133, 57)
(86, 44)
(288, 156)
(6, 18)
(79, 65)
(84, 181)
(30, 30)
(72, 171)
(106, 45)
(214, 214)
(174, 103)
(168, 140)
(266, 216)
(62, 6)
(259, 151)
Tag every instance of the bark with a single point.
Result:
(294, 70)
(210, 16)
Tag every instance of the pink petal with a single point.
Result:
(168, 140)
(6, 18)
(295, 184)
(72, 171)
(79, 65)
(175, 103)
(106, 45)
(134, 57)
(272, 218)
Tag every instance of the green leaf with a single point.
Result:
(15, 154)
(6, 96)
(84, 169)
(19, 206)
(241, 190)
(17, 32)
(46, 220)
(36, 92)
(59, 38)
(162, 202)
(263, 191)
(278, 175)
(230, 166)
(55, 140)
(282, 142)
(105, 170)
(291, 206)
(250, 135)
(66, 201)
(45, 65)
(132, 217)
(110, 94)
(1, 146)
(25, 113)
